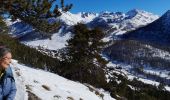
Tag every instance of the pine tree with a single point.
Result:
(3, 26)
(86, 44)
(161, 86)
(84, 59)
(34, 12)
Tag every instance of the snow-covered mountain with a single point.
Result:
(72, 19)
(146, 49)
(20, 29)
(114, 23)
(118, 22)
(156, 32)
(145, 60)
(36, 84)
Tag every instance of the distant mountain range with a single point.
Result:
(156, 32)
(113, 23)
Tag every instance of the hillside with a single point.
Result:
(36, 84)
(136, 69)
(156, 32)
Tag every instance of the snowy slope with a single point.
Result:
(19, 28)
(132, 19)
(56, 42)
(119, 23)
(125, 72)
(145, 60)
(157, 32)
(72, 19)
(87, 16)
(49, 86)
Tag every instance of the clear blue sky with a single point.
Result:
(155, 6)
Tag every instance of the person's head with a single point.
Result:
(5, 57)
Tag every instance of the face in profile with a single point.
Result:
(5, 60)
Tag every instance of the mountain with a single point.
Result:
(25, 32)
(36, 84)
(146, 50)
(136, 69)
(72, 19)
(113, 23)
(156, 32)
(143, 60)
(118, 23)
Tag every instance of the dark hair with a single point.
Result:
(3, 51)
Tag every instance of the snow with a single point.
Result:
(120, 32)
(118, 23)
(153, 52)
(59, 87)
(16, 27)
(131, 87)
(158, 72)
(72, 19)
(8, 22)
(86, 17)
(137, 18)
(125, 73)
(56, 42)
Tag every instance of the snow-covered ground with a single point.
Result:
(56, 42)
(162, 73)
(125, 72)
(159, 53)
(49, 86)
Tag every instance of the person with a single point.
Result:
(7, 81)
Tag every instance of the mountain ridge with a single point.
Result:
(156, 32)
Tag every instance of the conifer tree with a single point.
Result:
(83, 51)
(35, 12)
(3, 26)
(86, 44)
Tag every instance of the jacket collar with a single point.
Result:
(8, 72)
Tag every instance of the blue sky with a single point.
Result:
(155, 6)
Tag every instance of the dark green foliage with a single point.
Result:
(83, 55)
(34, 12)
(3, 26)
(85, 43)
(149, 92)
(137, 91)
(161, 86)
